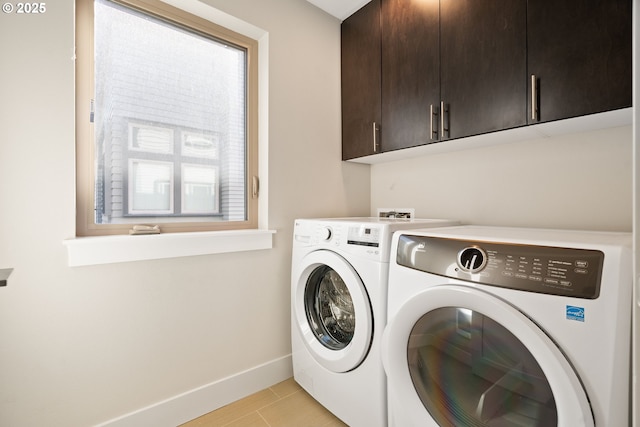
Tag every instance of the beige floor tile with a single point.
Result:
(252, 420)
(335, 423)
(285, 388)
(284, 404)
(235, 410)
(296, 410)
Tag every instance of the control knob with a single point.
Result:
(325, 233)
(472, 259)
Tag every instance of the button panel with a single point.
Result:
(543, 269)
(364, 236)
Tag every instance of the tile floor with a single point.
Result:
(285, 404)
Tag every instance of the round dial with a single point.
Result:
(472, 259)
(325, 233)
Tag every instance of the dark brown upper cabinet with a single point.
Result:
(410, 73)
(416, 72)
(361, 82)
(579, 56)
(451, 69)
(483, 66)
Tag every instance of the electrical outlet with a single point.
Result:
(396, 213)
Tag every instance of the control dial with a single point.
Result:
(325, 233)
(472, 259)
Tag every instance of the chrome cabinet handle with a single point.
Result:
(443, 129)
(433, 133)
(376, 144)
(534, 98)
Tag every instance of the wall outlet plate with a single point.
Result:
(399, 213)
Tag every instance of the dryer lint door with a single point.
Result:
(460, 356)
(332, 311)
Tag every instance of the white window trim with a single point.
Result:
(85, 251)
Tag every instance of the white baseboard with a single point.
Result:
(194, 403)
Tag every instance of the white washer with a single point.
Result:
(338, 297)
(502, 327)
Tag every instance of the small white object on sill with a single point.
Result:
(144, 229)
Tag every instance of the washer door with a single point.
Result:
(333, 311)
(459, 356)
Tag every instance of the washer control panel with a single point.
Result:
(543, 269)
(364, 236)
(369, 241)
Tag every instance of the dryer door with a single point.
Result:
(332, 311)
(459, 356)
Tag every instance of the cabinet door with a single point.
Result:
(483, 65)
(580, 54)
(360, 57)
(410, 72)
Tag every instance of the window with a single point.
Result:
(166, 120)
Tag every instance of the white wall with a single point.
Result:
(577, 181)
(80, 346)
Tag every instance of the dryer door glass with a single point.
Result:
(471, 371)
(329, 308)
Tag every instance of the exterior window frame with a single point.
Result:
(85, 144)
(179, 158)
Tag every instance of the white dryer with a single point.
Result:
(508, 327)
(338, 312)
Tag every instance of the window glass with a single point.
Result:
(150, 138)
(199, 189)
(199, 145)
(151, 187)
(171, 115)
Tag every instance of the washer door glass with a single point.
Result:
(468, 370)
(329, 308)
(332, 311)
(459, 356)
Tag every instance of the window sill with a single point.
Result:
(112, 249)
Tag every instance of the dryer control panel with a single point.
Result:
(543, 269)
